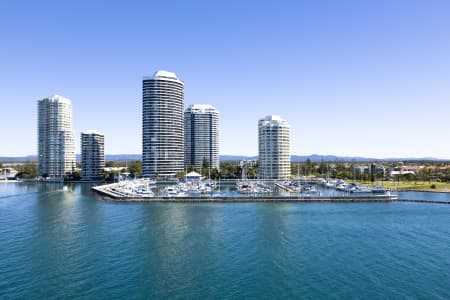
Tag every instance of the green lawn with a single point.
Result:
(412, 185)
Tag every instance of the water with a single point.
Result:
(56, 244)
(440, 197)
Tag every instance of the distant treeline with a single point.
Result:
(423, 170)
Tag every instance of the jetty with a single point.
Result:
(285, 188)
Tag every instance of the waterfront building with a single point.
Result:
(201, 136)
(92, 155)
(162, 128)
(56, 145)
(274, 153)
(192, 177)
(8, 173)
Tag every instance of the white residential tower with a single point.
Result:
(56, 146)
(274, 154)
(162, 125)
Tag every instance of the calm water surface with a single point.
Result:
(68, 244)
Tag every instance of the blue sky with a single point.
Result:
(366, 78)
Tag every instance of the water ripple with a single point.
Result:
(70, 245)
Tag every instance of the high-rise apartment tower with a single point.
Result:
(162, 128)
(56, 145)
(92, 155)
(274, 154)
(201, 136)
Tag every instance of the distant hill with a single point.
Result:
(119, 157)
(237, 157)
(303, 158)
(332, 158)
(294, 158)
(18, 159)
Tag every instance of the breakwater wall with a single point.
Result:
(423, 201)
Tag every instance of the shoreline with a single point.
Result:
(420, 191)
(9, 181)
(447, 191)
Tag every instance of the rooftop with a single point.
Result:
(201, 108)
(162, 73)
(193, 174)
(91, 131)
(58, 98)
(165, 75)
(273, 120)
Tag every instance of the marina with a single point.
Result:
(241, 191)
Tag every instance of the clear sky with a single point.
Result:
(365, 78)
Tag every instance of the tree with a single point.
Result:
(110, 176)
(135, 167)
(74, 175)
(192, 169)
(307, 168)
(357, 173)
(180, 175)
(252, 172)
(342, 172)
(411, 177)
(294, 169)
(205, 167)
(27, 170)
(114, 164)
(229, 170)
(215, 174)
(323, 169)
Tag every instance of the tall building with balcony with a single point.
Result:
(92, 155)
(274, 153)
(201, 136)
(162, 125)
(56, 145)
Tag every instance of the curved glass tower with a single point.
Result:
(162, 128)
(56, 145)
